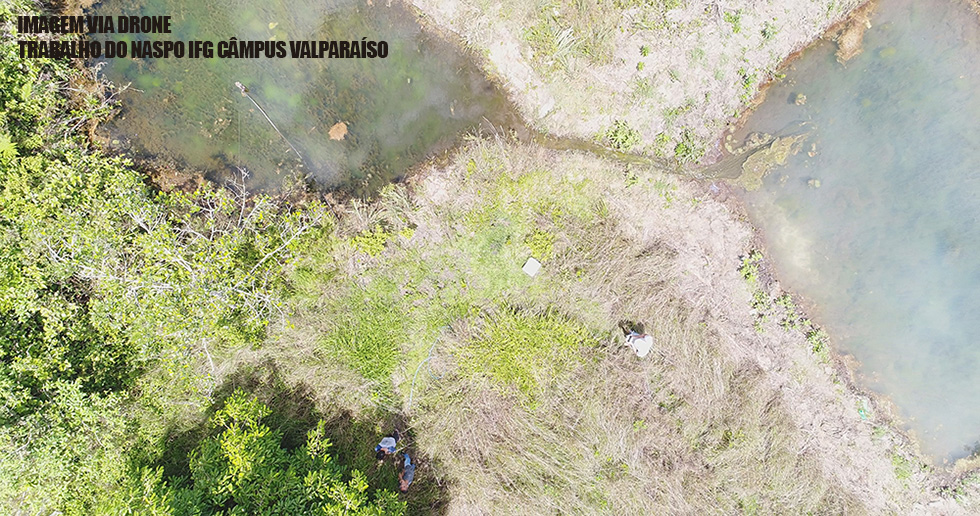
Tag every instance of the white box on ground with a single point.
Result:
(531, 267)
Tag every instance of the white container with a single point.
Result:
(531, 267)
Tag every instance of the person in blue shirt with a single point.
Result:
(387, 446)
(407, 475)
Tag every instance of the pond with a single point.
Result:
(396, 111)
(876, 221)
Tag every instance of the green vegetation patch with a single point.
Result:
(542, 244)
(529, 213)
(689, 149)
(621, 136)
(372, 242)
(734, 18)
(243, 468)
(116, 299)
(766, 306)
(567, 30)
(769, 30)
(903, 467)
(523, 350)
(749, 84)
(750, 267)
(366, 336)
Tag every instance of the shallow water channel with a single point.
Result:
(397, 110)
(878, 225)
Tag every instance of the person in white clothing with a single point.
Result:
(387, 445)
(640, 343)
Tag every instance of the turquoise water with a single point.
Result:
(397, 110)
(880, 229)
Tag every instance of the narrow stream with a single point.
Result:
(875, 220)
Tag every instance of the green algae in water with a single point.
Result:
(886, 249)
(398, 110)
(762, 161)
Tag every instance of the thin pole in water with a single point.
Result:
(266, 115)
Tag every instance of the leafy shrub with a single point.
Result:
(542, 244)
(111, 294)
(371, 243)
(242, 468)
(621, 136)
(688, 150)
(750, 267)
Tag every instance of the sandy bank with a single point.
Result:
(675, 72)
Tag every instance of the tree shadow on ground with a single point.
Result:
(294, 413)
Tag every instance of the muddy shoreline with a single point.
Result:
(832, 34)
(847, 367)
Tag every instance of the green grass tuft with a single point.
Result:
(734, 18)
(769, 31)
(523, 350)
(688, 150)
(903, 467)
(367, 337)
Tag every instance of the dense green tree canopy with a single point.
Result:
(243, 469)
(113, 297)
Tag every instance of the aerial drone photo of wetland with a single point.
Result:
(490, 257)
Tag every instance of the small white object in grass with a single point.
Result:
(531, 267)
(641, 344)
